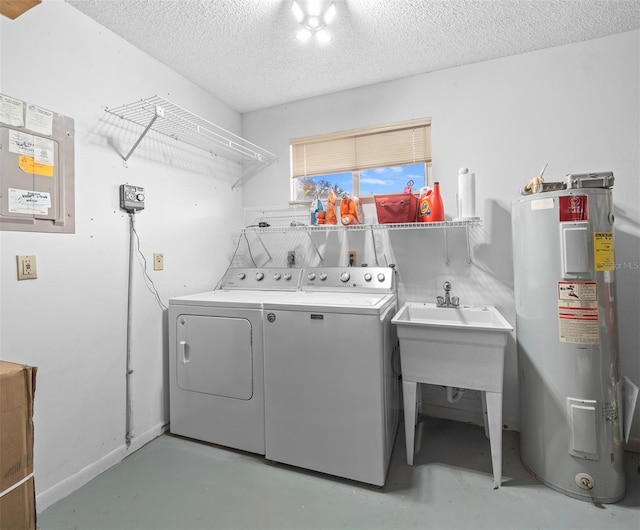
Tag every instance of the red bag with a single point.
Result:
(396, 208)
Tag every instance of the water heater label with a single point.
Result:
(578, 312)
(574, 208)
(603, 251)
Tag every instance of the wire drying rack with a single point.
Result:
(160, 115)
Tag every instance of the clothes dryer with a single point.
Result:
(216, 388)
(331, 373)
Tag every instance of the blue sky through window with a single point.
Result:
(379, 181)
(391, 179)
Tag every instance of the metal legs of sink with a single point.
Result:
(492, 402)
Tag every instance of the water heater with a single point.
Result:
(566, 330)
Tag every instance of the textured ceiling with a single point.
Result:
(245, 52)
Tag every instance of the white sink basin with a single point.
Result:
(455, 347)
(483, 317)
(462, 347)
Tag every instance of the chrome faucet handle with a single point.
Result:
(439, 301)
(455, 301)
(447, 286)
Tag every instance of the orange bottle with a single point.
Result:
(430, 205)
(331, 218)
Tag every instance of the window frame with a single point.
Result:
(407, 142)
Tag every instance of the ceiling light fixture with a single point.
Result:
(313, 18)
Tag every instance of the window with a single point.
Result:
(362, 162)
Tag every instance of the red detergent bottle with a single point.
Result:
(430, 205)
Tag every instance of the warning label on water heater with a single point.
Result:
(573, 208)
(578, 312)
(603, 251)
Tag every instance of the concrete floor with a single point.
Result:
(175, 483)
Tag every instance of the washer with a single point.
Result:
(216, 390)
(331, 389)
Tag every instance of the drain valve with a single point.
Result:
(584, 481)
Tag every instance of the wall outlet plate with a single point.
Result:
(27, 269)
(353, 261)
(158, 261)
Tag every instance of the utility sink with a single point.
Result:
(459, 347)
(470, 317)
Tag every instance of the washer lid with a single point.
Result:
(236, 298)
(332, 302)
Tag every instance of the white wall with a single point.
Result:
(574, 107)
(71, 321)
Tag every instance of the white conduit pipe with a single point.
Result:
(129, 411)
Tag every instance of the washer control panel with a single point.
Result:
(353, 278)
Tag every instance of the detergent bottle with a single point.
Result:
(330, 217)
(351, 211)
(430, 206)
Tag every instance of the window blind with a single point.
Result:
(390, 145)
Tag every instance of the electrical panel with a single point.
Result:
(36, 168)
(131, 198)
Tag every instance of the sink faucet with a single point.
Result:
(447, 300)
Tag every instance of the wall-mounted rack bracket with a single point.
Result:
(159, 115)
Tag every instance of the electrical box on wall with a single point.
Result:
(131, 198)
(36, 168)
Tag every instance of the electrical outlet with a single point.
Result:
(291, 258)
(27, 269)
(352, 258)
(158, 261)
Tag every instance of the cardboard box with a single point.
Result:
(14, 8)
(17, 492)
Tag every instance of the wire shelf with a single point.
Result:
(162, 116)
(390, 226)
(277, 216)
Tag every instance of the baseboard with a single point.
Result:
(70, 484)
(474, 417)
(632, 445)
(462, 415)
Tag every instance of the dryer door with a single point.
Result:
(214, 355)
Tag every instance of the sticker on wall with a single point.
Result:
(578, 312)
(35, 154)
(603, 251)
(573, 208)
(11, 111)
(29, 165)
(29, 202)
(39, 120)
(21, 143)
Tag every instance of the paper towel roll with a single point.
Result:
(466, 194)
